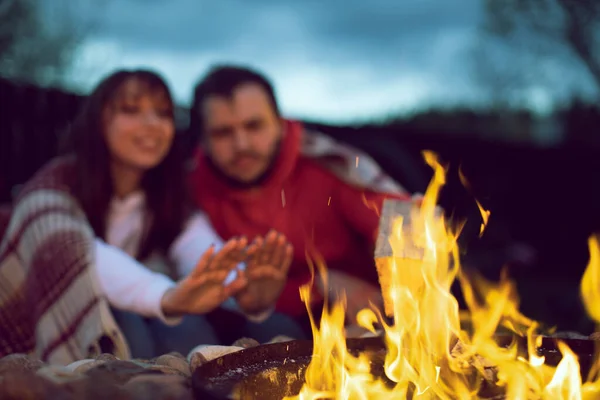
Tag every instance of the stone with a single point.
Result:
(75, 364)
(98, 388)
(197, 360)
(106, 357)
(210, 352)
(143, 363)
(84, 367)
(246, 343)
(159, 387)
(81, 366)
(19, 362)
(166, 370)
(176, 354)
(281, 339)
(58, 374)
(204, 353)
(117, 371)
(178, 363)
(27, 385)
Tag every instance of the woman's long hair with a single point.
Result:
(163, 185)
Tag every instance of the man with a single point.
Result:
(256, 171)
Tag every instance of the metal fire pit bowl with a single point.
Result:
(274, 371)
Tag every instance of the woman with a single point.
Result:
(80, 225)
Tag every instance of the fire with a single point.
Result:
(431, 352)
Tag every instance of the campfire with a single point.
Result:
(430, 354)
(431, 350)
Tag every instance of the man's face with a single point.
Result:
(241, 133)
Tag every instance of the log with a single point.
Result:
(388, 250)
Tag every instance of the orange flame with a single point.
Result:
(431, 354)
(485, 214)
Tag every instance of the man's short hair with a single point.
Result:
(223, 81)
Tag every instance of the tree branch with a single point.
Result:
(580, 35)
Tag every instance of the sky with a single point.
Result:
(334, 60)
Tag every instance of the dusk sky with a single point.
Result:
(338, 60)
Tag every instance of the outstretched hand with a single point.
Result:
(266, 272)
(203, 289)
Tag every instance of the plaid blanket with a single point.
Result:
(351, 165)
(51, 305)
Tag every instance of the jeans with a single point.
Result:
(276, 324)
(150, 337)
(231, 326)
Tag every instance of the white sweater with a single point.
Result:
(131, 286)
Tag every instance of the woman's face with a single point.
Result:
(138, 126)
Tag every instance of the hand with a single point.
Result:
(359, 294)
(203, 289)
(266, 270)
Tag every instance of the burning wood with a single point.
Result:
(485, 368)
(417, 262)
(398, 244)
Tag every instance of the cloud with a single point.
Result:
(338, 59)
(333, 25)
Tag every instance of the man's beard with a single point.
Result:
(259, 180)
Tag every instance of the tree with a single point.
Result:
(545, 43)
(33, 47)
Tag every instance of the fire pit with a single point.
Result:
(429, 349)
(275, 371)
(271, 371)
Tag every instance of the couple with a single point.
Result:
(103, 252)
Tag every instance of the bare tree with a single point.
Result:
(542, 42)
(34, 45)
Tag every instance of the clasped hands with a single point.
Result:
(256, 288)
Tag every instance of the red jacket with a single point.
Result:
(317, 212)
